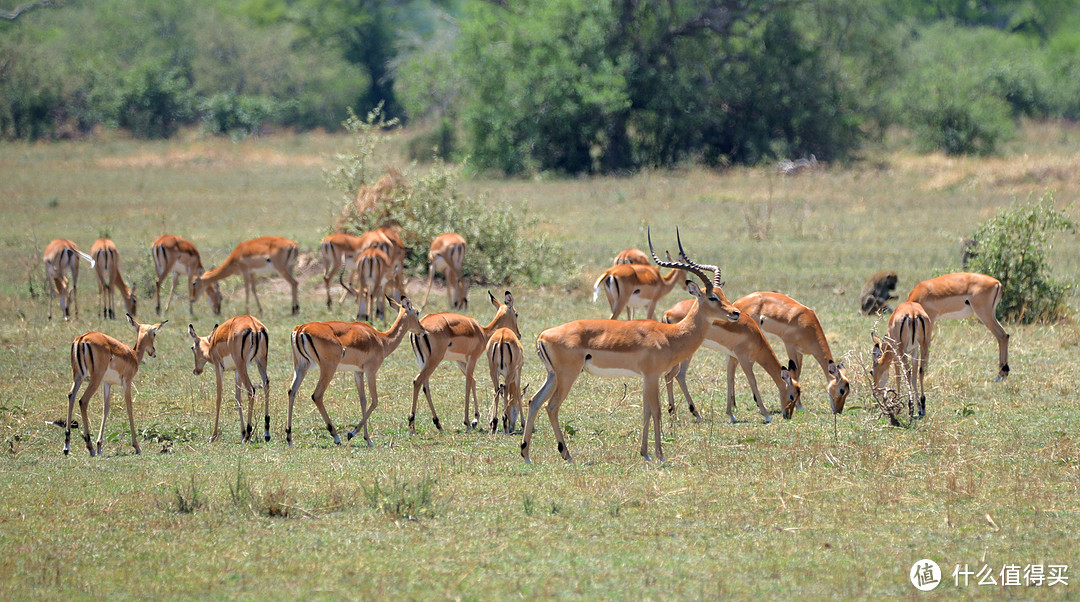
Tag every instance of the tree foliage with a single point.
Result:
(1014, 247)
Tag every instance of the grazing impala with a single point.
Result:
(251, 257)
(447, 255)
(352, 346)
(745, 345)
(234, 346)
(107, 268)
(960, 295)
(908, 342)
(632, 256)
(797, 326)
(612, 348)
(505, 357)
(338, 252)
(175, 255)
(62, 255)
(632, 285)
(103, 361)
(388, 241)
(459, 339)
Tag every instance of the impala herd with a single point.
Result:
(375, 265)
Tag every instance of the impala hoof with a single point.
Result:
(337, 440)
(350, 435)
(266, 437)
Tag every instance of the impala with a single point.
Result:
(960, 295)
(447, 255)
(175, 255)
(251, 257)
(745, 345)
(352, 346)
(234, 346)
(373, 273)
(460, 339)
(62, 255)
(632, 256)
(103, 361)
(632, 285)
(612, 348)
(505, 356)
(389, 241)
(338, 251)
(798, 327)
(907, 342)
(107, 268)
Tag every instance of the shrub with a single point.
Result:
(237, 115)
(154, 101)
(502, 246)
(1013, 247)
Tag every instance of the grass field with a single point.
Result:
(816, 506)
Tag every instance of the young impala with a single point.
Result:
(797, 326)
(745, 345)
(907, 343)
(614, 348)
(961, 295)
(61, 255)
(352, 346)
(251, 257)
(103, 361)
(175, 255)
(107, 268)
(447, 255)
(505, 356)
(632, 285)
(234, 346)
(459, 339)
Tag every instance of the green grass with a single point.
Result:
(812, 506)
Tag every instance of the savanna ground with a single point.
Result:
(813, 506)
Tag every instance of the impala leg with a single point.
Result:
(245, 430)
(300, 369)
(553, 416)
(131, 417)
(925, 358)
(78, 379)
(326, 375)
(261, 364)
(255, 292)
(106, 391)
(293, 284)
(428, 358)
(544, 394)
(493, 372)
(731, 364)
(470, 388)
(358, 376)
(652, 397)
(244, 379)
(217, 405)
(987, 315)
(795, 357)
(84, 405)
(748, 369)
(73, 294)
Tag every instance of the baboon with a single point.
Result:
(877, 292)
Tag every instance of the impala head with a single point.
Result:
(792, 393)
(213, 292)
(144, 336)
(131, 303)
(514, 409)
(507, 315)
(881, 356)
(711, 300)
(839, 386)
(201, 348)
(409, 313)
(459, 291)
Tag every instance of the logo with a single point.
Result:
(925, 575)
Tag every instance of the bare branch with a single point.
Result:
(14, 14)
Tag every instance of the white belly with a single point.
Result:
(439, 264)
(227, 363)
(181, 268)
(263, 268)
(636, 300)
(958, 315)
(456, 357)
(711, 344)
(347, 367)
(112, 377)
(609, 372)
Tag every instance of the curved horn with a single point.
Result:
(712, 268)
(685, 264)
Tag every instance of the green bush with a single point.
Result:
(154, 101)
(1013, 247)
(503, 245)
(237, 115)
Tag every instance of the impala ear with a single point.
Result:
(393, 303)
(157, 327)
(693, 288)
(791, 365)
(876, 353)
(132, 321)
(494, 301)
(191, 331)
(832, 368)
(785, 374)
(508, 299)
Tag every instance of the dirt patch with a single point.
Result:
(203, 155)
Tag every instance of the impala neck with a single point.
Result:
(226, 269)
(125, 292)
(674, 277)
(396, 333)
(141, 344)
(496, 323)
